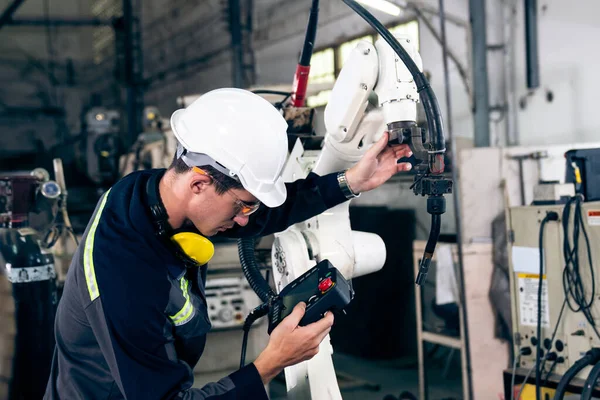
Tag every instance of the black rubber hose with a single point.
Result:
(430, 103)
(590, 383)
(434, 234)
(311, 33)
(551, 216)
(256, 280)
(255, 314)
(252, 272)
(268, 91)
(591, 357)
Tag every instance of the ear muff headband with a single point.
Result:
(190, 245)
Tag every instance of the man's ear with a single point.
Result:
(199, 182)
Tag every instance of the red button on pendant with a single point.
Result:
(325, 284)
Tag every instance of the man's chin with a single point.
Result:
(212, 232)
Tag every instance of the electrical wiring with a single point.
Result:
(550, 216)
(525, 381)
(573, 283)
(554, 363)
(518, 357)
(556, 325)
(512, 377)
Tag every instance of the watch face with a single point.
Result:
(50, 190)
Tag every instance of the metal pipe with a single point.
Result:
(237, 62)
(480, 73)
(32, 111)
(457, 214)
(531, 44)
(9, 11)
(132, 109)
(71, 22)
(510, 87)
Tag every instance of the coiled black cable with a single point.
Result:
(590, 358)
(251, 270)
(428, 99)
(590, 382)
(573, 284)
(550, 216)
(255, 314)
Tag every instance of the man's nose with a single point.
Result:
(241, 220)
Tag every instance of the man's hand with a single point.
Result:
(378, 165)
(290, 344)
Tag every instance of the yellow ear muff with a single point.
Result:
(195, 246)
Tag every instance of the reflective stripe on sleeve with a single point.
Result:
(187, 312)
(88, 254)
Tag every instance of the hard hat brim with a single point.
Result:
(177, 128)
(275, 197)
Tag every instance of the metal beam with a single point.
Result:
(235, 28)
(132, 125)
(73, 22)
(480, 73)
(531, 44)
(10, 10)
(28, 112)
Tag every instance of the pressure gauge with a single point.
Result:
(50, 190)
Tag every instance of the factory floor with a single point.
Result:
(363, 379)
(392, 376)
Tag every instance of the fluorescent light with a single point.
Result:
(382, 5)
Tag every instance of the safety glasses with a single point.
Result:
(242, 208)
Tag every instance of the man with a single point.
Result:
(132, 320)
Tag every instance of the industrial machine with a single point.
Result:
(29, 267)
(563, 239)
(154, 147)
(102, 128)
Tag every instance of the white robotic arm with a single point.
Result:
(329, 235)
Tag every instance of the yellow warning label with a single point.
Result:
(529, 276)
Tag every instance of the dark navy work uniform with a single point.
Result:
(132, 320)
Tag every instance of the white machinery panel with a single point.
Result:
(229, 300)
(574, 335)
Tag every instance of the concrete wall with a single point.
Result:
(568, 37)
(186, 52)
(185, 49)
(24, 71)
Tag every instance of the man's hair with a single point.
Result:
(222, 182)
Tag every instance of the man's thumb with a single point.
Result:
(379, 145)
(297, 314)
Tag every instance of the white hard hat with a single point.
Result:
(243, 133)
